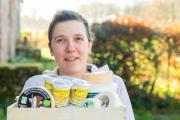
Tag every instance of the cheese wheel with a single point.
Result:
(35, 97)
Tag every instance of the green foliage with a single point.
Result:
(26, 53)
(2, 116)
(38, 39)
(136, 52)
(13, 77)
(125, 28)
(147, 115)
(3, 108)
(143, 115)
(21, 59)
(140, 99)
(48, 64)
(127, 43)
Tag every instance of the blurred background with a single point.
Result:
(138, 39)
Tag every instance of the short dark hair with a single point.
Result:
(65, 15)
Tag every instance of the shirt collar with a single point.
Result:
(90, 67)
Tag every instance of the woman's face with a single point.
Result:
(70, 47)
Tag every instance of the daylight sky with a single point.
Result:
(46, 8)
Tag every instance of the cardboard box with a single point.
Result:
(14, 113)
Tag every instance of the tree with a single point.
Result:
(97, 12)
(164, 12)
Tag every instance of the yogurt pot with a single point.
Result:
(61, 91)
(48, 83)
(79, 91)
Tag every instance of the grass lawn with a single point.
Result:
(146, 115)
(48, 64)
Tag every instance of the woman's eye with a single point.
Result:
(79, 38)
(59, 40)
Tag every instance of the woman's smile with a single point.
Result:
(71, 59)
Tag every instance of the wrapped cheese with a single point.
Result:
(98, 77)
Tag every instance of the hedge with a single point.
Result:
(13, 77)
(29, 52)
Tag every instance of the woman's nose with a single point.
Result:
(70, 47)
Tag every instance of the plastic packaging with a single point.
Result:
(49, 81)
(61, 91)
(79, 91)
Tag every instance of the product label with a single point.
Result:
(34, 98)
(61, 96)
(78, 95)
(49, 86)
(91, 95)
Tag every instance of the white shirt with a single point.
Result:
(38, 80)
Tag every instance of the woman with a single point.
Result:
(70, 44)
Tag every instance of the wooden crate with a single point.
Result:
(14, 113)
